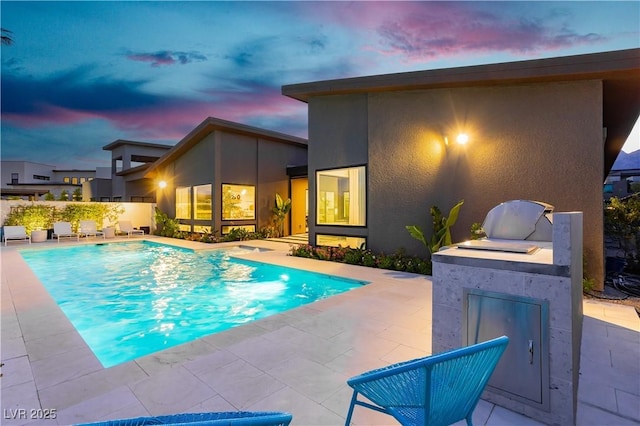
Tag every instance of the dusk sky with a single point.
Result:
(80, 75)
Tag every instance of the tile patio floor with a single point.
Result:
(297, 361)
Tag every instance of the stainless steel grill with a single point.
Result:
(512, 223)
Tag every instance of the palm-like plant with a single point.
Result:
(441, 228)
(280, 211)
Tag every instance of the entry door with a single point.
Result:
(299, 205)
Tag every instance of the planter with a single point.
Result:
(109, 232)
(38, 236)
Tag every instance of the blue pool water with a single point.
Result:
(132, 299)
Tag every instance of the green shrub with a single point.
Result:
(42, 216)
(165, 226)
(32, 216)
(622, 224)
(98, 212)
(398, 261)
(302, 250)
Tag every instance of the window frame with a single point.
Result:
(366, 197)
(223, 204)
(194, 196)
(189, 203)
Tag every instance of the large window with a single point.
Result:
(340, 241)
(183, 202)
(341, 196)
(202, 197)
(238, 202)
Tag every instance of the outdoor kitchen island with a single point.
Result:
(530, 291)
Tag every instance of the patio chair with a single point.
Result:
(436, 390)
(126, 228)
(89, 228)
(63, 230)
(15, 232)
(230, 418)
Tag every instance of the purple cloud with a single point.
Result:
(431, 30)
(166, 57)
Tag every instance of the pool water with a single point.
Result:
(132, 299)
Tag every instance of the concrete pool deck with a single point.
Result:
(297, 361)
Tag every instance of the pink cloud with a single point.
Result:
(420, 31)
(46, 115)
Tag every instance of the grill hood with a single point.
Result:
(520, 220)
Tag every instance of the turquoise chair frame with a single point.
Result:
(436, 390)
(227, 418)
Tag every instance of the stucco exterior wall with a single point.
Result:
(338, 137)
(540, 141)
(230, 158)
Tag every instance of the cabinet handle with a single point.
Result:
(530, 351)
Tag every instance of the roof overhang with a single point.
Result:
(211, 124)
(618, 70)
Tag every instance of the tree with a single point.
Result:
(6, 37)
(77, 194)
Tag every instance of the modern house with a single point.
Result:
(29, 180)
(225, 175)
(382, 149)
(624, 176)
(129, 162)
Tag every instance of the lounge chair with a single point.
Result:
(231, 418)
(63, 230)
(126, 228)
(436, 390)
(89, 228)
(15, 232)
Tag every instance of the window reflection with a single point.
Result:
(202, 197)
(342, 197)
(238, 202)
(183, 203)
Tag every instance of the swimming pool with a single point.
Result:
(132, 299)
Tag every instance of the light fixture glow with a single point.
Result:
(162, 184)
(462, 138)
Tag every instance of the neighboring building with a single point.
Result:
(28, 180)
(382, 151)
(224, 175)
(624, 175)
(129, 163)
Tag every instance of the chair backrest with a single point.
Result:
(88, 226)
(14, 231)
(62, 228)
(459, 377)
(125, 225)
(445, 387)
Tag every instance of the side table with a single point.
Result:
(38, 236)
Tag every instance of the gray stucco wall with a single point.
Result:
(338, 127)
(541, 142)
(229, 158)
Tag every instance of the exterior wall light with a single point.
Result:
(462, 139)
(162, 184)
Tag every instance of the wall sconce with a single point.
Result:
(461, 139)
(162, 184)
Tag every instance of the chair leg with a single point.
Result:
(351, 407)
(468, 418)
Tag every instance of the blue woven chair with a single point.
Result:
(436, 390)
(230, 418)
